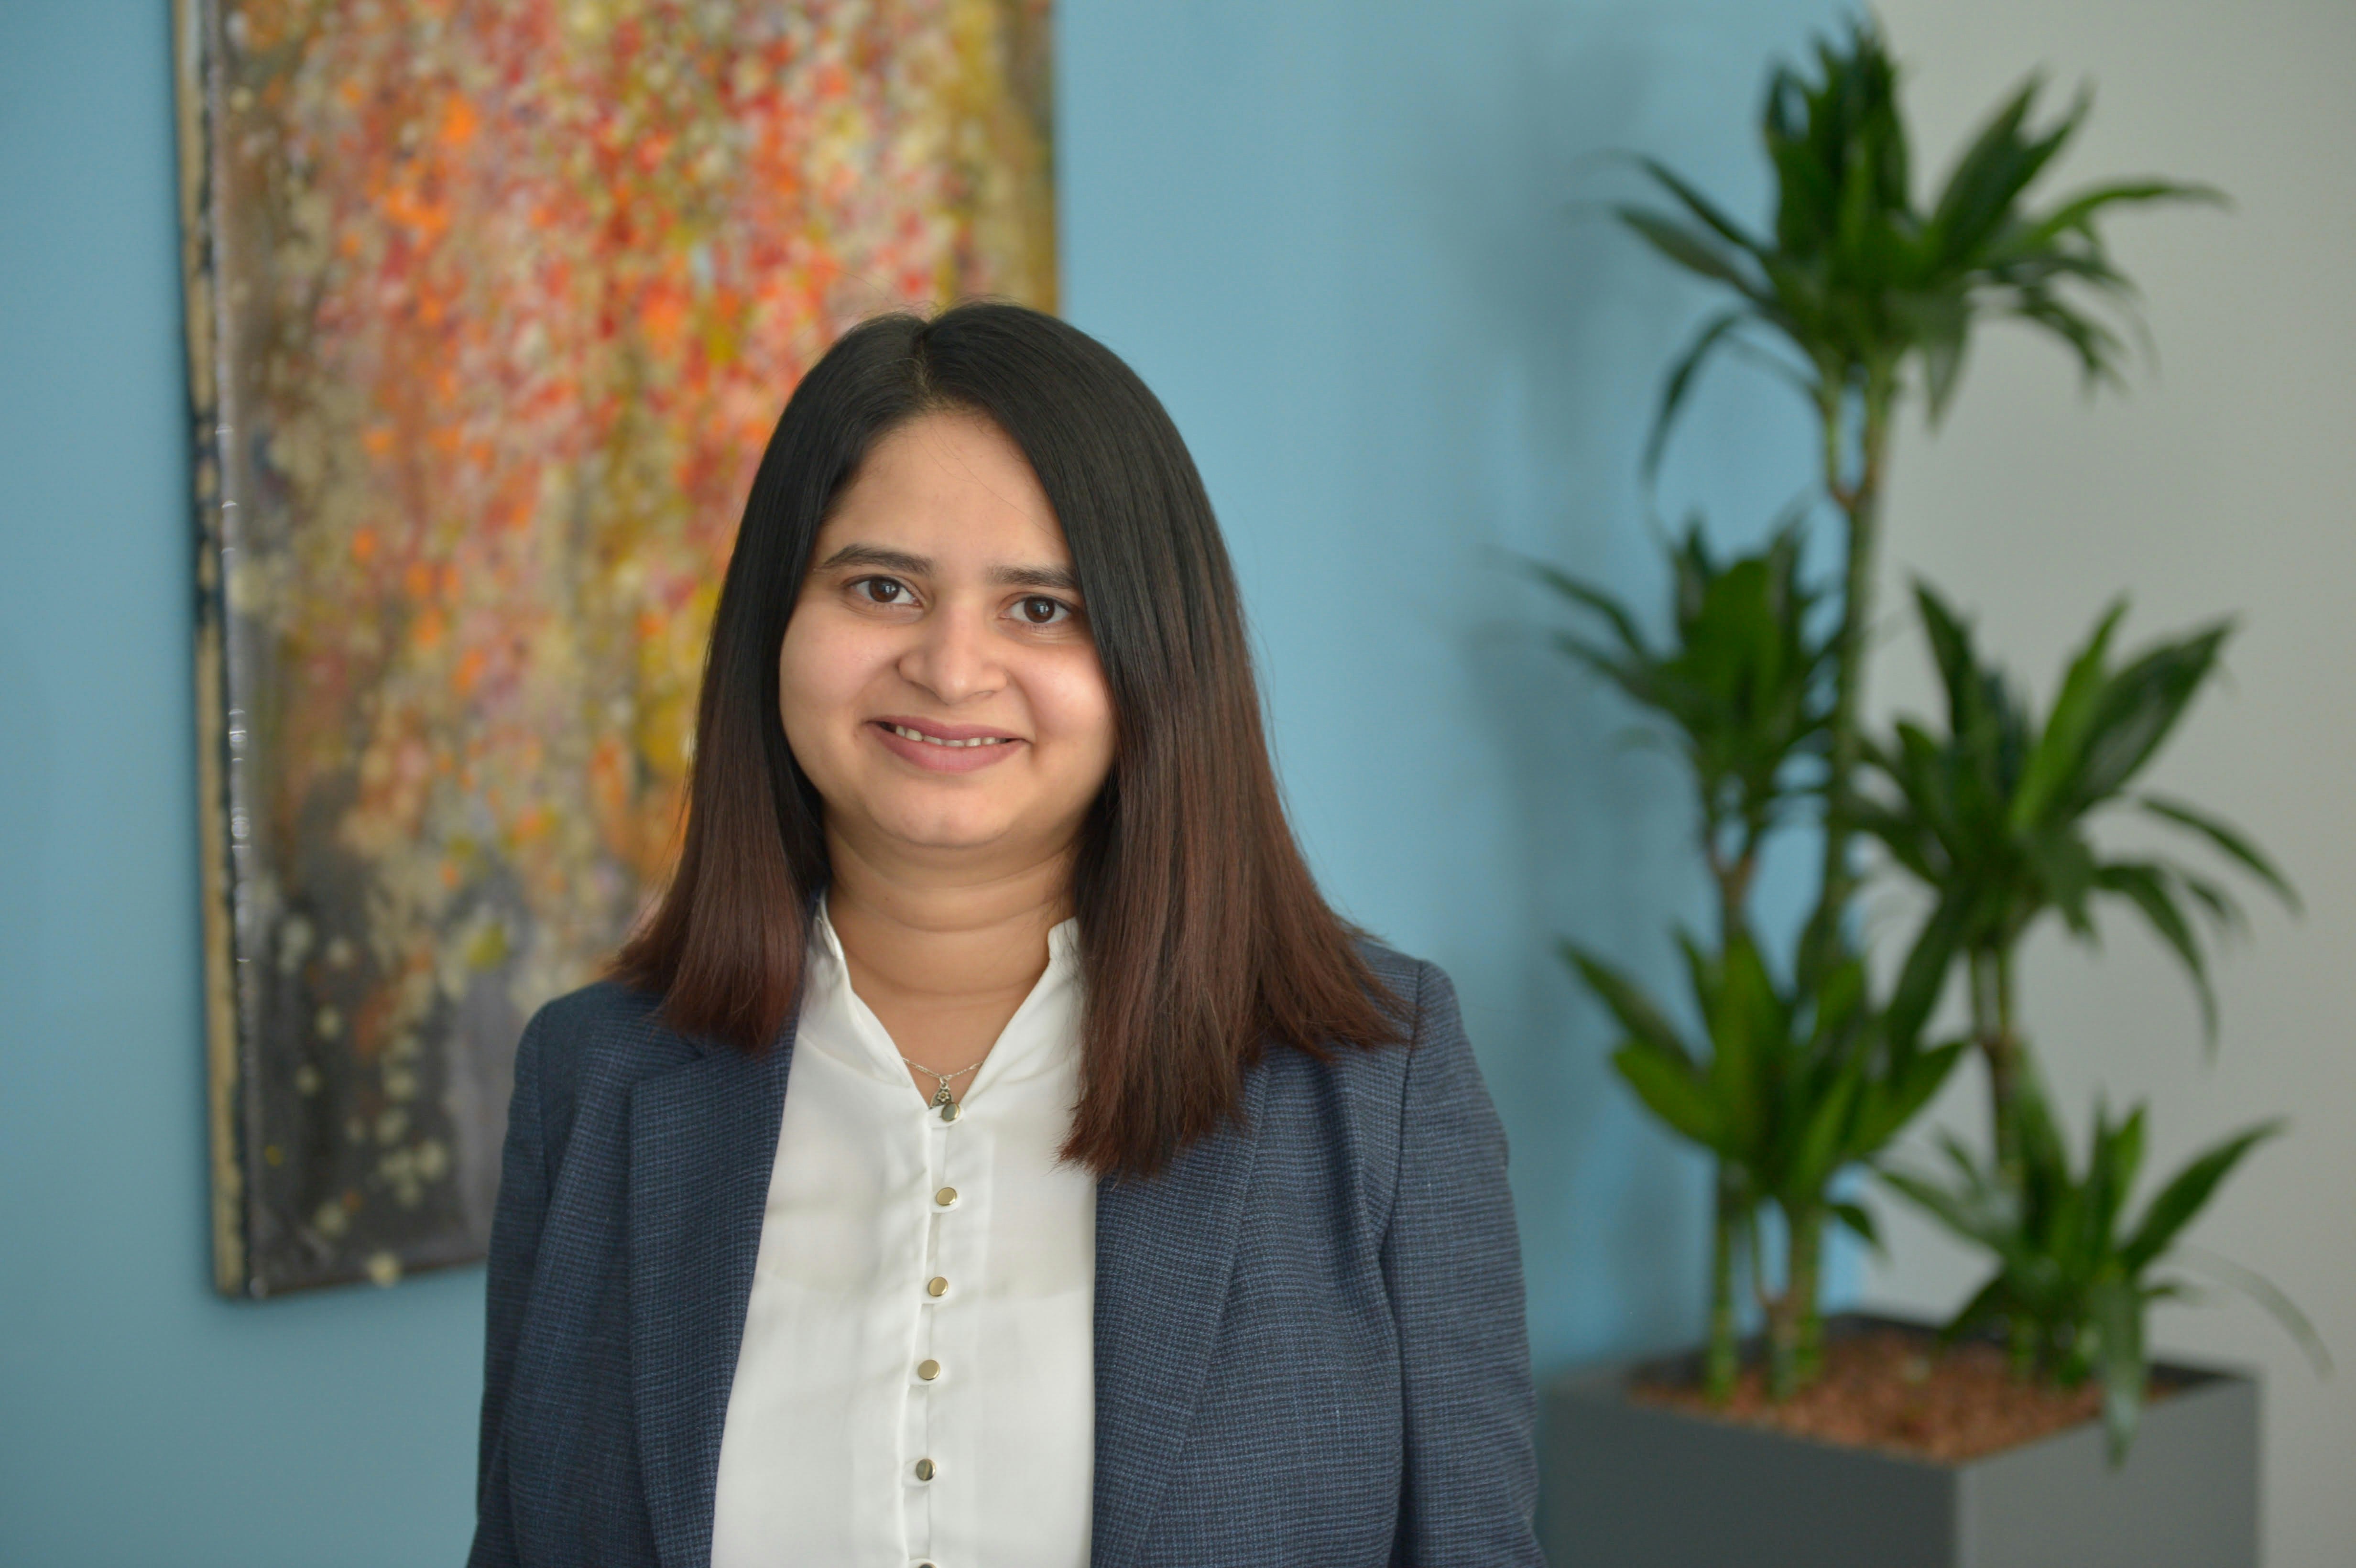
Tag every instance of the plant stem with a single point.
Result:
(1734, 897)
(1794, 1326)
(1803, 1270)
(1722, 1361)
(1999, 1047)
(1776, 1310)
(1860, 500)
(2021, 1341)
(1991, 984)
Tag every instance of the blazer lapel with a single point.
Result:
(1165, 1253)
(703, 1137)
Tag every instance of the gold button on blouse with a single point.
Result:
(929, 1370)
(946, 1197)
(937, 1286)
(924, 1469)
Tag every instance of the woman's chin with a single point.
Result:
(960, 828)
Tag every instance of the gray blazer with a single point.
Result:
(1310, 1345)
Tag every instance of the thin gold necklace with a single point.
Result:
(949, 1106)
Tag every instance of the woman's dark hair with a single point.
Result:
(1203, 937)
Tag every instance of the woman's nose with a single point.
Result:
(953, 656)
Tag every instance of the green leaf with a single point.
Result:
(1989, 1304)
(2268, 1294)
(1680, 381)
(1967, 1166)
(1744, 1021)
(1838, 996)
(1924, 973)
(1628, 674)
(1688, 250)
(1943, 363)
(2115, 1311)
(1590, 597)
(1901, 1098)
(1859, 1220)
(1819, 1152)
(1670, 1089)
(1700, 206)
(2117, 1156)
(2226, 839)
(1628, 1004)
(1950, 648)
(2186, 1194)
(2040, 1140)
(2076, 213)
(1986, 178)
(2146, 885)
(2138, 708)
(2059, 757)
(2065, 869)
(2098, 348)
(1954, 1211)
(1910, 843)
(2224, 912)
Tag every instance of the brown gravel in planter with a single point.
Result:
(1884, 1388)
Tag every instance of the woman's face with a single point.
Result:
(937, 681)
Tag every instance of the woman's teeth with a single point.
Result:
(906, 734)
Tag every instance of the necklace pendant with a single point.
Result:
(942, 1098)
(949, 1107)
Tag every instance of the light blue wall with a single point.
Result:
(1336, 236)
(1339, 240)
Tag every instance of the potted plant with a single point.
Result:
(1990, 815)
(1787, 1086)
(1791, 1080)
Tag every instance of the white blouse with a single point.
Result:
(916, 1383)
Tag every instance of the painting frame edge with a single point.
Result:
(195, 56)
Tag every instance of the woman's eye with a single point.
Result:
(884, 591)
(1042, 611)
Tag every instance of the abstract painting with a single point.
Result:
(492, 305)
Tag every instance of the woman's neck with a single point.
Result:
(943, 959)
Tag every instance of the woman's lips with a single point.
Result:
(952, 749)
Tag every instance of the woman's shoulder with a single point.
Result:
(1380, 1110)
(1400, 973)
(1431, 1049)
(602, 1030)
(600, 1004)
(1425, 995)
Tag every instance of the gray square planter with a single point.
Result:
(1640, 1486)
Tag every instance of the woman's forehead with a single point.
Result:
(951, 488)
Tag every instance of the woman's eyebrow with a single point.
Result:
(884, 559)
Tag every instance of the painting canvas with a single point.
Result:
(492, 305)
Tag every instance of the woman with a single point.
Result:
(994, 1151)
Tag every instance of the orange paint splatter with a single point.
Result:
(459, 122)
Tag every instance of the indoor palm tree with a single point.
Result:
(1855, 292)
(1740, 686)
(1790, 1090)
(1786, 1087)
(1993, 816)
(2074, 1277)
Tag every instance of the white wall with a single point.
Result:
(2226, 482)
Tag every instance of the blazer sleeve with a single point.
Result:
(515, 1245)
(1452, 1263)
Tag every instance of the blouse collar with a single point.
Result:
(1045, 1028)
